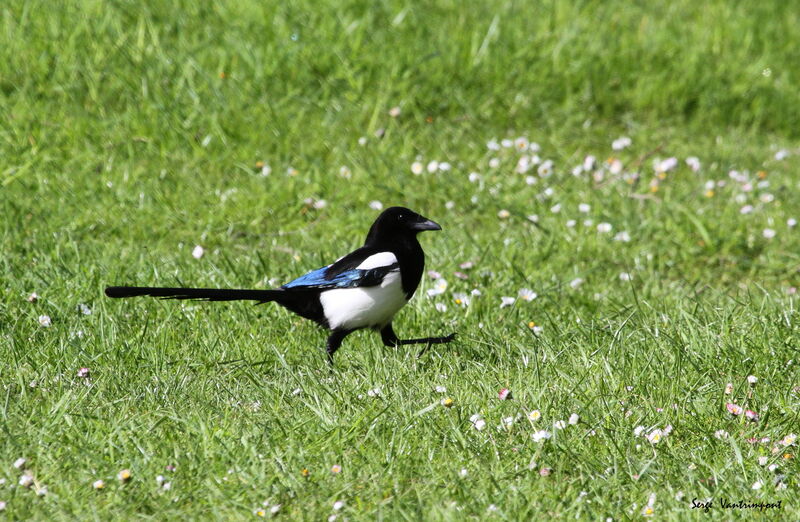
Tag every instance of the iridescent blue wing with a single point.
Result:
(352, 278)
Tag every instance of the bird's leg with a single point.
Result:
(334, 342)
(389, 338)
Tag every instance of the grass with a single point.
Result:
(132, 133)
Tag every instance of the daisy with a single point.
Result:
(733, 409)
(506, 143)
(638, 430)
(622, 236)
(374, 392)
(494, 163)
(589, 163)
(521, 143)
(124, 475)
(504, 214)
(440, 389)
(665, 165)
(752, 379)
(768, 233)
(504, 394)
(555, 209)
(575, 283)
(33, 297)
(336, 469)
(604, 228)
(362, 140)
(729, 388)
(545, 169)
(584, 208)
(375, 205)
(526, 294)
(492, 145)
(535, 415)
(621, 143)
(98, 484)
(345, 172)
(417, 168)
(85, 310)
(20, 462)
(440, 307)
(394, 112)
(433, 166)
(447, 402)
(198, 251)
(474, 177)
(507, 301)
(693, 163)
(789, 439)
(44, 320)
(439, 287)
(339, 504)
(461, 299)
(541, 435)
(573, 419)
(444, 166)
(655, 436)
(479, 424)
(559, 425)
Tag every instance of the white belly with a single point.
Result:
(354, 308)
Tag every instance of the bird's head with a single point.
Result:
(400, 221)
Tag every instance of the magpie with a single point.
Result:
(364, 289)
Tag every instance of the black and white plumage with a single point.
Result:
(363, 289)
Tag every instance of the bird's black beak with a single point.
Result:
(425, 224)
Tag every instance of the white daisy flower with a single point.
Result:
(44, 320)
(375, 205)
(589, 163)
(621, 143)
(769, 233)
(507, 301)
(541, 435)
(494, 163)
(492, 145)
(575, 283)
(545, 169)
(417, 167)
(198, 251)
(433, 166)
(665, 165)
(584, 208)
(693, 163)
(526, 294)
(439, 287)
(604, 228)
(573, 419)
(474, 177)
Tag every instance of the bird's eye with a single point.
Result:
(400, 217)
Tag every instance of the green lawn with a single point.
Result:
(265, 131)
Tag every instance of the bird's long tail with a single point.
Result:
(204, 294)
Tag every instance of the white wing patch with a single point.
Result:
(377, 261)
(354, 308)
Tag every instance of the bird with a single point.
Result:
(363, 289)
